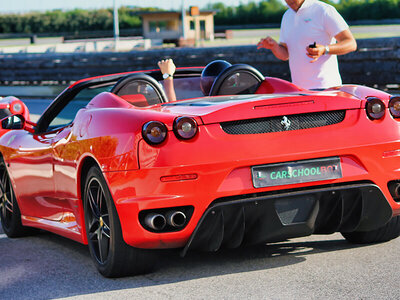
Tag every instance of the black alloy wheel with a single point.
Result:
(111, 255)
(9, 211)
(7, 198)
(98, 219)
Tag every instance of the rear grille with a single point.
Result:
(284, 123)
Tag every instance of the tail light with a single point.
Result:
(375, 108)
(154, 132)
(185, 128)
(16, 108)
(394, 106)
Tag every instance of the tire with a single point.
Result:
(9, 211)
(111, 255)
(386, 233)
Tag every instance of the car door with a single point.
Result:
(65, 169)
(63, 148)
(32, 171)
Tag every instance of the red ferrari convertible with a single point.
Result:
(112, 164)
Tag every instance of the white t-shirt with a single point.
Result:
(315, 21)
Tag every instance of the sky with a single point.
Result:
(20, 6)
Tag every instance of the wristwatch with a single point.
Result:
(326, 50)
(166, 75)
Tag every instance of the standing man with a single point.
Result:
(312, 34)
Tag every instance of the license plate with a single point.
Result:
(296, 172)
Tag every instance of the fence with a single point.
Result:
(375, 63)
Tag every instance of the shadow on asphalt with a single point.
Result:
(49, 266)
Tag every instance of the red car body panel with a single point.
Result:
(46, 168)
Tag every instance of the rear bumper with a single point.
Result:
(229, 211)
(233, 222)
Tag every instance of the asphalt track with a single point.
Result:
(46, 266)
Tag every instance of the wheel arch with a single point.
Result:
(83, 171)
(2, 160)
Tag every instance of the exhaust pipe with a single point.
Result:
(155, 221)
(397, 192)
(394, 189)
(175, 218)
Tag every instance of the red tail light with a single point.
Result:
(16, 108)
(394, 106)
(185, 128)
(154, 132)
(375, 108)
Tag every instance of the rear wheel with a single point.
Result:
(9, 211)
(111, 255)
(386, 233)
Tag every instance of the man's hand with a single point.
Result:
(267, 43)
(315, 52)
(278, 49)
(167, 66)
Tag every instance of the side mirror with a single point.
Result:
(13, 122)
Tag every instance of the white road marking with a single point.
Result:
(3, 236)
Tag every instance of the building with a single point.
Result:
(167, 26)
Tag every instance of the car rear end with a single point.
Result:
(261, 168)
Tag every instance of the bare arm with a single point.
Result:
(278, 49)
(169, 89)
(345, 44)
(167, 66)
